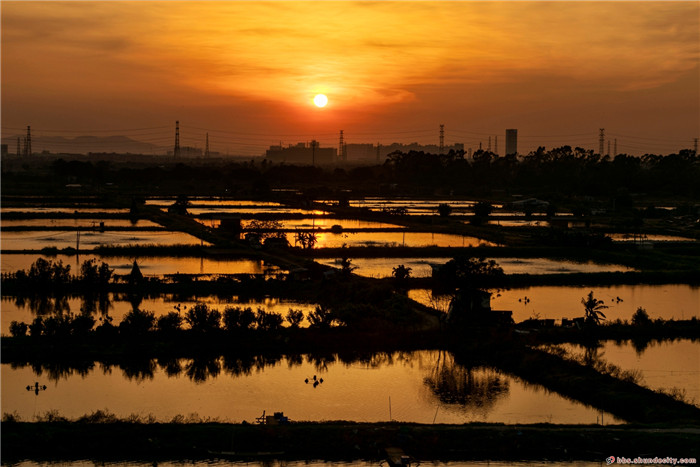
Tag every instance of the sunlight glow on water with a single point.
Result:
(423, 386)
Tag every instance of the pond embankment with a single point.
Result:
(122, 440)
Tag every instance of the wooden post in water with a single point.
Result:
(389, 408)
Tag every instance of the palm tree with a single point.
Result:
(592, 307)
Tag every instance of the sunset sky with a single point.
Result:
(247, 72)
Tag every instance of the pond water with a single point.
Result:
(624, 237)
(36, 240)
(315, 223)
(242, 211)
(663, 365)
(25, 310)
(78, 223)
(393, 239)
(199, 202)
(421, 386)
(81, 210)
(150, 266)
(422, 267)
(667, 301)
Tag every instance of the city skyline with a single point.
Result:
(246, 72)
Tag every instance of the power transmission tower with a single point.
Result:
(28, 144)
(601, 140)
(442, 138)
(176, 150)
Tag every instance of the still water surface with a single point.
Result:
(422, 267)
(663, 365)
(668, 301)
(420, 386)
(28, 224)
(36, 239)
(393, 239)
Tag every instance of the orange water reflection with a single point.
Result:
(663, 365)
(353, 390)
(668, 301)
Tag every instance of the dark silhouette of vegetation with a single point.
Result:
(592, 308)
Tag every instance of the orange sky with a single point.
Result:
(393, 71)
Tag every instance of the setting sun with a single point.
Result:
(320, 100)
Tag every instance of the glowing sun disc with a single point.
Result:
(320, 100)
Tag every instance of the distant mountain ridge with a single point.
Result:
(84, 145)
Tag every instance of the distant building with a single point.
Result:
(511, 142)
(302, 153)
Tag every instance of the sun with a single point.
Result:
(320, 100)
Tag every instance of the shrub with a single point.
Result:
(169, 323)
(201, 319)
(640, 317)
(237, 318)
(294, 318)
(137, 322)
(18, 329)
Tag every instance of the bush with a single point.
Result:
(18, 329)
(268, 321)
(137, 323)
(169, 323)
(640, 317)
(237, 318)
(203, 320)
(294, 318)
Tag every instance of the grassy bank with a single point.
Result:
(120, 440)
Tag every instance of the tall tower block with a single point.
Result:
(511, 141)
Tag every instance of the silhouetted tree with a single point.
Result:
(592, 307)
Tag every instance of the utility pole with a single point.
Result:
(608, 147)
(489, 147)
(206, 151)
(495, 150)
(19, 149)
(442, 138)
(615, 148)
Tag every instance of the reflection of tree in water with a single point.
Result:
(95, 303)
(470, 387)
(170, 365)
(139, 369)
(59, 369)
(45, 305)
(200, 369)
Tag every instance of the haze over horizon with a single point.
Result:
(246, 72)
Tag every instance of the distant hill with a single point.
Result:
(85, 145)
